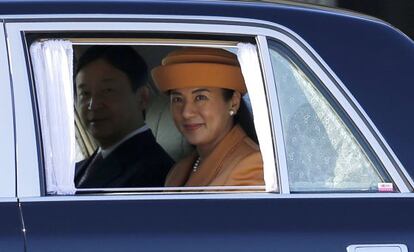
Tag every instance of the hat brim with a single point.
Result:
(191, 75)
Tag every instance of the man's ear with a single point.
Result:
(235, 101)
(143, 97)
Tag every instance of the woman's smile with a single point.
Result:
(192, 126)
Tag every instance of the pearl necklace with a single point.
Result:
(196, 164)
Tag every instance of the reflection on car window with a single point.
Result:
(322, 153)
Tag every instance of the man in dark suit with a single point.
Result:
(111, 98)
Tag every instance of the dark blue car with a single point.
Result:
(331, 96)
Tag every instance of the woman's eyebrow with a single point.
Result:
(199, 90)
(175, 93)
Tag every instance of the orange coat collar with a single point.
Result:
(182, 173)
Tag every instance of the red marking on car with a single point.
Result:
(385, 187)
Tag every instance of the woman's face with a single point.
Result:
(202, 114)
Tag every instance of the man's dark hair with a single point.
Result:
(124, 58)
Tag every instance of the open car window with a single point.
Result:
(157, 117)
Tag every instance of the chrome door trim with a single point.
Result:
(7, 127)
(230, 26)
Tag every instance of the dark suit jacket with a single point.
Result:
(138, 162)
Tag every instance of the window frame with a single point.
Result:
(357, 116)
(347, 122)
(16, 29)
(35, 191)
(7, 126)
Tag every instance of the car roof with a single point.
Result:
(373, 59)
(92, 6)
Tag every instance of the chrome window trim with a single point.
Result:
(207, 196)
(7, 137)
(227, 26)
(187, 189)
(28, 176)
(8, 200)
(17, 29)
(273, 101)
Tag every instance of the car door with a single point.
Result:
(283, 218)
(11, 231)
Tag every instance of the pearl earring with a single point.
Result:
(231, 112)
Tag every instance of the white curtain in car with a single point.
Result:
(252, 74)
(52, 62)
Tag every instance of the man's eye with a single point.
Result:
(201, 98)
(84, 94)
(108, 90)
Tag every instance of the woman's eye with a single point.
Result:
(201, 98)
(176, 99)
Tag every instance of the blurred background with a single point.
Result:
(399, 13)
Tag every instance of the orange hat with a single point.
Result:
(199, 67)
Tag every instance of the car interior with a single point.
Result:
(157, 115)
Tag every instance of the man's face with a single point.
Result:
(108, 107)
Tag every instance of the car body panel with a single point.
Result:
(11, 232)
(236, 224)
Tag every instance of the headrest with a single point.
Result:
(199, 67)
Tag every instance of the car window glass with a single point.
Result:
(322, 152)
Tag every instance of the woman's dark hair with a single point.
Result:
(243, 117)
(124, 58)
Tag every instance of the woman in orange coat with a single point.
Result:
(205, 86)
